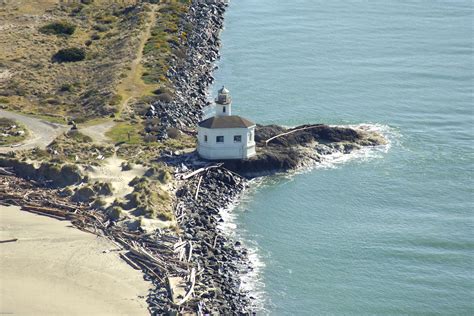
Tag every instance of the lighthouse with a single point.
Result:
(226, 136)
(223, 102)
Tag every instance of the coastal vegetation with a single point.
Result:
(132, 90)
(44, 77)
(69, 55)
(150, 199)
(165, 45)
(71, 147)
(58, 28)
(126, 133)
(12, 132)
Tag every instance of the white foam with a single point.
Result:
(252, 281)
(363, 154)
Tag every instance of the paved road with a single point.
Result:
(41, 132)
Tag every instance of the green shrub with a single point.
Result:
(72, 54)
(78, 136)
(106, 19)
(165, 97)
(67, 87)
(101, 28)
(116, 99)
(173, 132)
(115, 213)
(162, 90)
(103, 188)
(99, 203)
(58, 28)
(126, 166)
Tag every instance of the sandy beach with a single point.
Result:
(54, 269)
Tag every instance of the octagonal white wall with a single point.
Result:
(213, 150)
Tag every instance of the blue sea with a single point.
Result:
(390, 230)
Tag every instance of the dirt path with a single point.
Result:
(132, 87)
(41, 132)
(97, 131)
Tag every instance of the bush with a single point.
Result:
(58, 28)
(84, 194)
(126, 166)
(165, 97)
(99, 203)
(173, 132)
(103, 188)
(67, 87)
(107, 19)
(115, 213)
(78, 136)
(161, 90)
(101, 28)
(69, 55)
(115, 100)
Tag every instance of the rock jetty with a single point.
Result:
(199, 253)
(192, 76)
(200, 202)
(214, 187)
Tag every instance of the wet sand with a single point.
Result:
(54, 269)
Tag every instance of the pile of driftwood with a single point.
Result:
(159, 255)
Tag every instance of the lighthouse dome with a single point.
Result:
(223, 96)
(223, 90)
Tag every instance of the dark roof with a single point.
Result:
(232, 121)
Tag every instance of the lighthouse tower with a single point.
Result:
(223, 103)
(226, 136)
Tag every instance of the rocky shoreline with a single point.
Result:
(200, 202)
(213, 188)
(199, 253)
(201, 198)
(192, 76)
(208, 188)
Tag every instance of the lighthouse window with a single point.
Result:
(223, 109)
(205, 138)
(219, 139)
(237, 139)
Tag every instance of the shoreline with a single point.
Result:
(207, 264)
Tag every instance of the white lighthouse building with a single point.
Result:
(226, 136)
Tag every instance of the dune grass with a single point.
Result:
(127, 133)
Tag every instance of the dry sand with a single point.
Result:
(54, 269)
(111, 171)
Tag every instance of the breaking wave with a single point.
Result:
(252, 281)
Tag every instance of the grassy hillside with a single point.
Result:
(67, 60)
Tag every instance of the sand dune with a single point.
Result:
(54, 269)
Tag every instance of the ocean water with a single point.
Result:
(389, 232)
